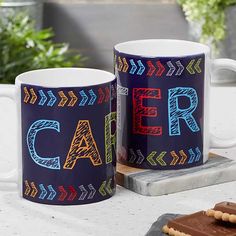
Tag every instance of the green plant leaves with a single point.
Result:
(22, 48)
(210, 14)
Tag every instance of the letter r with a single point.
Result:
(175, 113)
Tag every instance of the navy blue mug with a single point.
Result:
(162, 111)
(67, 135)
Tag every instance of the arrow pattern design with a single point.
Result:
(73, 193)
(107, 96)
(43, 98)
(151, 68)
(133, 67)
(125, 65)
(64, 99)
(52, 99)
(93, 97)
(43, 192)
(27, 95)
(73, 100)
(71, 97)
(30, 96)
(194, 156)
(159, 67)
(68, 99)
(152, 158)
(155, 159)
(63, 193)
(130, 66)
(88, 193)
(194, 67)
(137, 157)
(70, 193)
(141, 67)
(171, 70)
(52, 193)
(103, 95)
(105, 188)
(163, 158)
(84, 98)
(122, 64)
(92, 191)
(177, 158)
(180, 68)
(27, 188)
(133, 156)
(34, 190)
(33, 97)
(190, 156)
(84, 192)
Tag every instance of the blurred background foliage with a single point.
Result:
(23, 48)
(210, 14)
(87, 26)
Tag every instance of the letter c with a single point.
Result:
(47, 162)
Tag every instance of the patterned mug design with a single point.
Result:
(160, 110)
(69, 143)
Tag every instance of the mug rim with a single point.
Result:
(41, 77)
(161, 48)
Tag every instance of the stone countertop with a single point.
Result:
(126, 213)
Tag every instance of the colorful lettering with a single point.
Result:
(83, 145)
(110, 139)
(139, 111)
(47, 162)
(175, 113)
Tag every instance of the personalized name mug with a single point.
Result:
(163, 102)
(67, 133)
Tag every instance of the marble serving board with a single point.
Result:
(217, 170)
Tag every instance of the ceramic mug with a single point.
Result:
(66, 119)
(163, 103)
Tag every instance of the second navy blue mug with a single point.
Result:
(163, 102)
(67, 135)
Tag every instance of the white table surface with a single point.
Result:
(126, 213)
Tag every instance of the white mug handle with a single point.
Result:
(219, 64)
(8, 91)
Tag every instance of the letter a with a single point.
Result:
(83, 135)
(175, 113)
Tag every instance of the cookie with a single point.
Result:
(223, 211)
(198, 224)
